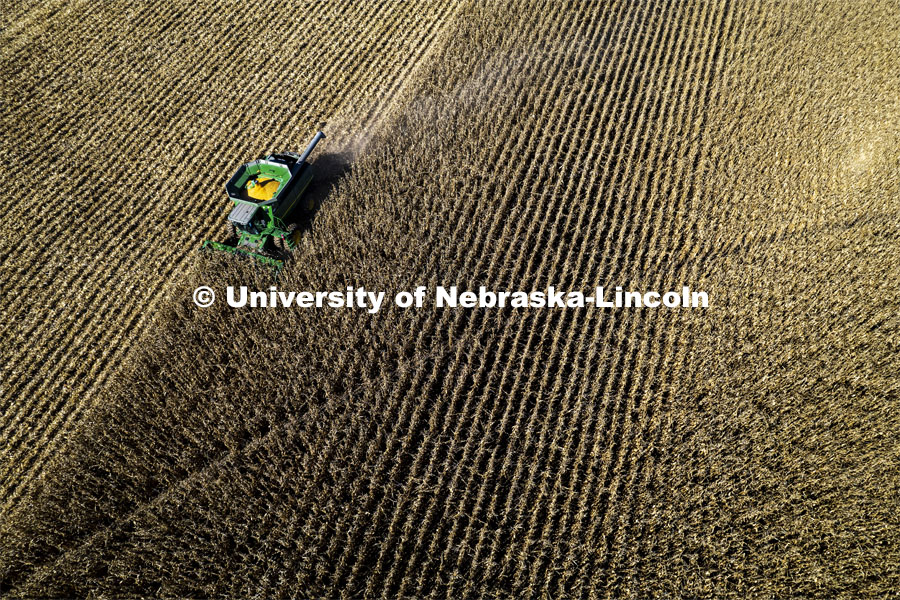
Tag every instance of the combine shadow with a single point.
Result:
(329, 168)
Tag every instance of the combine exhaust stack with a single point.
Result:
(267, 194)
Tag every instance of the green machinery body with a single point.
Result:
(267, 194)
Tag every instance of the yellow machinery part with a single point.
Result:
(262, 189)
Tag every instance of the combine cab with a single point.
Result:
(268, 195)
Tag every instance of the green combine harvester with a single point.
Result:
(267, 194)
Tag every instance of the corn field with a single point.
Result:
(750, 149)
